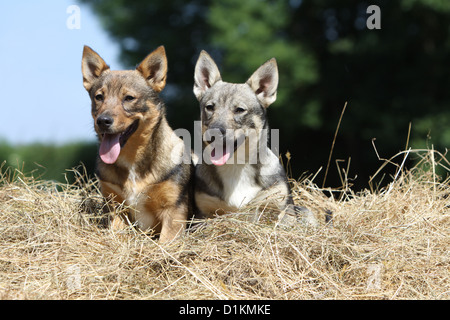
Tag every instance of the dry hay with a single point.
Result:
(386, 244)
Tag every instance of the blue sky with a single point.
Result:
(41, 90)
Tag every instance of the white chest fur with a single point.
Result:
(132, 193)
(239, 184)
(135, 197)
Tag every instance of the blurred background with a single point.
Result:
(395, 79)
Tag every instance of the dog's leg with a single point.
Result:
(117, 218)
(210, 206)
(113, 220)
(278, 198)
(112, 201)
(173, 223)
(117, 223)
(294, 214)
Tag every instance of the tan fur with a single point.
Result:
(211, 205)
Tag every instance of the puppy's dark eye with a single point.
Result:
(239, 110)
(209, 107)
(129, 98)
(99, 97)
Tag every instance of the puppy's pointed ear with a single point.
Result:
(154, 69)
(206, 74)
(264, 82)
(92, 66)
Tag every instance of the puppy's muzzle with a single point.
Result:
(105, 122)
(215, 132)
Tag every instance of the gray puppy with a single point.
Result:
(238, 168)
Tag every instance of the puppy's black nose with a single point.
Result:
(105, 122)
(218, 129)
(215, 133)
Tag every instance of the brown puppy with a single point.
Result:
(140, 157)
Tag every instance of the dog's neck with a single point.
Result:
(150, 151)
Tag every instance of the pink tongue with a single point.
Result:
(218, 159)
(110, 148)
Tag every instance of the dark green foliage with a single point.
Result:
(48, 162)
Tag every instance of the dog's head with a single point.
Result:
(123, 102)
(228, 110)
